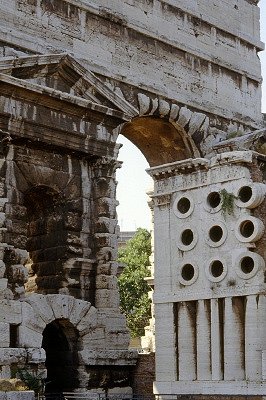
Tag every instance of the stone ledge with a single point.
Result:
(233, 388)
(107, 357)
(25, 395)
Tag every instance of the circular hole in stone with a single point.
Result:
(187, 237)
(214, 199)
(247, 265)
(247, 228)
(245, 194)
(216, 233)
(216, 268)
(187, 272)
(183, 205)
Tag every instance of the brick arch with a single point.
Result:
(40, 310)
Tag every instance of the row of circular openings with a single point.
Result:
(247, 266)
(247, 196)
(248, 229)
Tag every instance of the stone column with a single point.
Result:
(203, 341)
(166, 351)
(234, 339)
(217, 349)
(187, 357)
(252, 340)
(105, 232)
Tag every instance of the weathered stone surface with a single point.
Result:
(28, 337)
(104, 357)
(174, 77)
(4, 335)
(10, 312)
(25, 395)
(95, 338)
(107, 298)
(88, 322)
(31, 319)
(61, 305)
(10, 356)
(36, 355)
(78, 311)
(211, 290)
(40, 305)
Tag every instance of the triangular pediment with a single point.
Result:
(63, 73)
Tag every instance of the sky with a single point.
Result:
(134, 182)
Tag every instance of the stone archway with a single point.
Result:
(61, 343)
(160, 140)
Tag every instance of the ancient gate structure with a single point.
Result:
(176, 78)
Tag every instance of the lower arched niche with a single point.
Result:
(160, 141)
(61, 345)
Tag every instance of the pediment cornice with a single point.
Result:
(63, 77)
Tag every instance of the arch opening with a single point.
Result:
(61, 343)
(160, 141)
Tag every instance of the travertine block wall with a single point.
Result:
(58, 284)
(174, 77)
(201, 54)
(209, 275)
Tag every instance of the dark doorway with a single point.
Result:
(61, 344)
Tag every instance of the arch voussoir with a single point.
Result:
(39, 303)
(88, 322)
(61, 305)
(78, 311)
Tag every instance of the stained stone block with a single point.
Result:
(105, 357)
(10, 356)
(112, 320)
(26, 395)
(73, 221)
(106, 282)
(88, 322)
(184, 116)
(80, 308)
(60, 305)
(106, 239)
(19, 273)
(107, 268)
(36, 355)
(95, 339)
(5, 372)
(118, 339)
(2, 219)
(4, 334)
(107, 225)
(120, 391)
(106, 207)
(106, 254)
(3, 283)
(10, 311)
(39, 304)
(31, 319)
(28, 337)
(107, 298)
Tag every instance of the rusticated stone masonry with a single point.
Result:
(176, 78)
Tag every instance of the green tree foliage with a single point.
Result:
(133, 289)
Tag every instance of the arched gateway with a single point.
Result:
(59, 126)
(60, 303)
